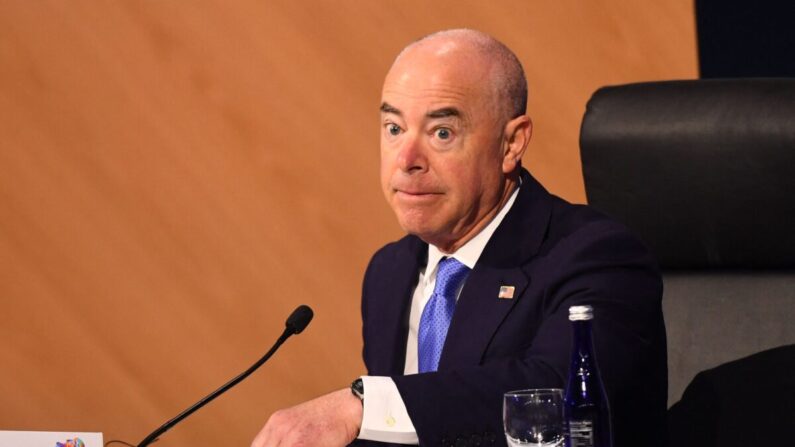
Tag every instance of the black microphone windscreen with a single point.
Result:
(299, 319)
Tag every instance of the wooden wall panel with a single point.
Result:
(175, 177)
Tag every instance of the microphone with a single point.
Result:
(299, 319)
(296, 323)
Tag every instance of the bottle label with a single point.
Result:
(581, 433)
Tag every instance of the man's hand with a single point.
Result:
(332, 420)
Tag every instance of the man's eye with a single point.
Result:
(443, 133)
(393, 129)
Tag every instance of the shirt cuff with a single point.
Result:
(385, 417)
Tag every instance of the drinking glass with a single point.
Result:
(533, 417)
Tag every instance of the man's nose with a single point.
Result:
(411, 157)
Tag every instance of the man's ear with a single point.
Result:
(515, 139)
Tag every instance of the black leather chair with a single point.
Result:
(704, 172)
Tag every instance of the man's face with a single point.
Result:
(441, 145)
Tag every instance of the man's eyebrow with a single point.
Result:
(386, 108)
(443, 112)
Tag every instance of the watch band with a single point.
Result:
(357, 388)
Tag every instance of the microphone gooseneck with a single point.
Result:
(296, 323)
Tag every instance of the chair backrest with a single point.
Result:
(704, 172)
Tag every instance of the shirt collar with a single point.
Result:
(470, 252)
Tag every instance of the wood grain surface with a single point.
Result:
(176, 177)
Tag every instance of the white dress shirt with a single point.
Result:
(385, 416)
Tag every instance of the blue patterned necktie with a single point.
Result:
(438, 313)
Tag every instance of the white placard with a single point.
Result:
(49, 439)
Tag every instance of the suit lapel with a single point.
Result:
(479, 311)
(394, 295)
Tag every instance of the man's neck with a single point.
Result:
(511, 184)
(469, 253)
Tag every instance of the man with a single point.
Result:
(509, 260)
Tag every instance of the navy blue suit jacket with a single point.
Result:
(556, 255)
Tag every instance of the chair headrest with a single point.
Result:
(702, 170)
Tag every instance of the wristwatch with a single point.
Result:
(357, 388)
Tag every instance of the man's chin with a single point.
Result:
(420, 229)
(429, 235)
(424, 222)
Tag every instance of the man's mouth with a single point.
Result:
(412, 194)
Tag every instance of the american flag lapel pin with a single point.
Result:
(506, 292)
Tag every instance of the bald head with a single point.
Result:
(467, 47)
(454, 130)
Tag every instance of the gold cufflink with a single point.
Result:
(506, 292)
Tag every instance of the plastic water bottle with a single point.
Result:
(585, 408)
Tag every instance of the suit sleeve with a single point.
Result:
(600, 265)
